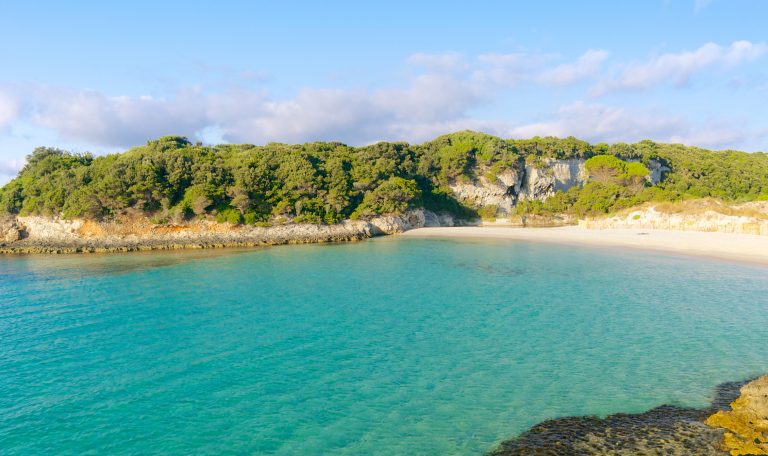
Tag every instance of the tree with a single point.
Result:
(240, 198)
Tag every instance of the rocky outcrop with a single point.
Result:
(658, 171)
(556, 175)
(533, 181)
(667, 430)
(484, 193)
(524, 182)
(43, 228)
(746, 424)
(11, 230)
(52, 235)
(392, 224)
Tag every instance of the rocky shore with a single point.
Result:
(668, 430)
(21, 235)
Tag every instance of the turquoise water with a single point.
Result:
(391, 346)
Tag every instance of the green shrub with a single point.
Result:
(393, 196)
(488, 212)
(251, 218)
(307, 218)
(229, 215)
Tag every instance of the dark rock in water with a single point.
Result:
(664, 430)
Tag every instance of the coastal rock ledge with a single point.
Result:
(666, 430)
(746, 424)
(53, 235)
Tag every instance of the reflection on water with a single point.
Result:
(98, 264)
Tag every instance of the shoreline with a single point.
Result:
(744, 248)
(39, 235)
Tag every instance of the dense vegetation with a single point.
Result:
(171, 179)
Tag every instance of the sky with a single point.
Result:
(103, 76)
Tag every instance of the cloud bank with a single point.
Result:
(678, 68)
(439, 97)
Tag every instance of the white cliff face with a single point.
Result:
(532, 182)
(539, 183)
(657, 171)
(529, 183)
(485, 193)
(42, 228)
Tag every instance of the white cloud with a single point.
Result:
(586, 66)
(9, 109)
(427, 104)
(97, 118)
(505, 70)
(11, 167)
(242, 115)
(311, 115)
(678, 68)
(598, 122)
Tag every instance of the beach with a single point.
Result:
(724, 246)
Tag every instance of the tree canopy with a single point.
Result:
(171, 179)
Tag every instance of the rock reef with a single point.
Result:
(667, 429)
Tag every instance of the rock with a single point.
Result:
(11, 230)
(55, 229)
(51, 235)
(541, 182)
(666, 430)
(484, 193)
(530, 182)
(391, 224)
(746, 424)
(523, 182)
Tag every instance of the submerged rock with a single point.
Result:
(746, 423)
(666, 430)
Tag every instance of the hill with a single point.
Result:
(465, 174)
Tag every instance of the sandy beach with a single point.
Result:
(726, 246)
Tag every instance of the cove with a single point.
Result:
(387, 346)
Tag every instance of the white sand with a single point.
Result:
(736, 247)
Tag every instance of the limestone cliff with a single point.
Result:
(522, 182)
(530, 181)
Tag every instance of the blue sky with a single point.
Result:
(91, 76)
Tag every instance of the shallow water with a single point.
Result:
(391, 346)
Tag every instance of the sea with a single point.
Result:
(390, 346)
